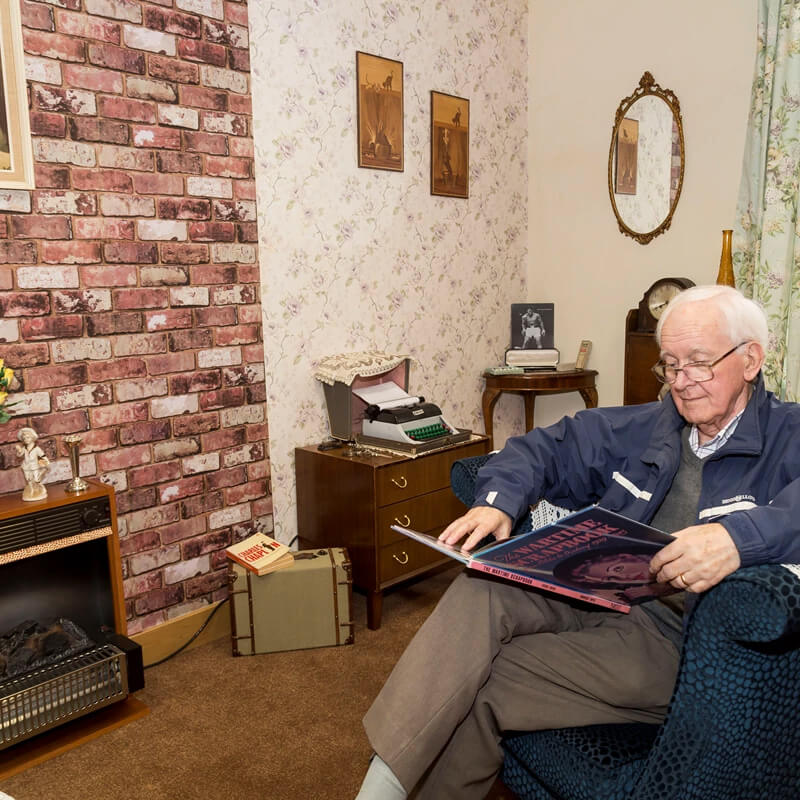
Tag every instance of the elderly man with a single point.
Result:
(716, 463)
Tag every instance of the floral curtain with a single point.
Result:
(766, 235)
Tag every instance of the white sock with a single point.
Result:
(380, 783)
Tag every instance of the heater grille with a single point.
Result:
(47, 525)
(47, 697)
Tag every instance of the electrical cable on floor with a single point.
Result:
(194, 636)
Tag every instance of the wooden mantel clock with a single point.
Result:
(641, 350)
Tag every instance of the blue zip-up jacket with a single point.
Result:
(626, 458)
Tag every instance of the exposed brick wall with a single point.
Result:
(129, 282)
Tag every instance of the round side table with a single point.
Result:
(530, 384)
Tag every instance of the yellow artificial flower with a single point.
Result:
(8, 375)
(1, 364)
(3, 396)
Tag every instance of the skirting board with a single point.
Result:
(161, 641)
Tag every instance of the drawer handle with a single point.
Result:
(402, 483)
(400, 560)
(406, 524)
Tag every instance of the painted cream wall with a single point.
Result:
(584, 58)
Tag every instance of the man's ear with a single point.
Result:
(753, 360)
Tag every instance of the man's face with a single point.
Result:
(697, 332)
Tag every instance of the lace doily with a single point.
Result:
(543, 513)
(346, 367)
(795, 568)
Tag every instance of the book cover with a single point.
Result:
(594, 555)
(260, 554)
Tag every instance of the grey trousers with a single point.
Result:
(495, 657)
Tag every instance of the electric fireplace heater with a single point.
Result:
(63, 611)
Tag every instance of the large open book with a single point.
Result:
(593, 555)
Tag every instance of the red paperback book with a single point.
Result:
(260, 554)
(594, 555)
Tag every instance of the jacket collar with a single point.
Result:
(746, 439)
(666, 433)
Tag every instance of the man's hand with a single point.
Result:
(476, 524)
(699, 558)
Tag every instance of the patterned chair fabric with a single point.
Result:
(731, 732)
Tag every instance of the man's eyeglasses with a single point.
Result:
(695, 371)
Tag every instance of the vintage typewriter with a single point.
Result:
(396, 421)
(408, 423)
(418, 422)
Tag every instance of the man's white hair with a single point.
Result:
(745, 318)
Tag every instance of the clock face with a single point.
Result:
(655, 300)
(660, 296)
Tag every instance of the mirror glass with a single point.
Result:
(646, 161)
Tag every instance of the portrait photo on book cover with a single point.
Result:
(615, 571)
(532, 326)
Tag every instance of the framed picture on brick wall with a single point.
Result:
(16, 154)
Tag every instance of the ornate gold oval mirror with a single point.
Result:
(646, 161)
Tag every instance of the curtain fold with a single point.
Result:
(766, 235)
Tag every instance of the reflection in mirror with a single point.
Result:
(646, 161)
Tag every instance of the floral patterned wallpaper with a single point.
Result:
(357, 259)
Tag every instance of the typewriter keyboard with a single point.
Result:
(428, 432)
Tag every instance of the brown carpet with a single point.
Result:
(267, 727)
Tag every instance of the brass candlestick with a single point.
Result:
(77, 484)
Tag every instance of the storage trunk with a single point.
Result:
(308, 604)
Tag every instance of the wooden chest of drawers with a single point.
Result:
(350, 501)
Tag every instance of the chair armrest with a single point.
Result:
(754, 604)
(740, 666)
(463, 474)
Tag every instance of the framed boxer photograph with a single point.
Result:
(532, 326)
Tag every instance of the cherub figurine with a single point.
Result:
(35, 464)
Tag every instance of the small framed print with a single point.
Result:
(16, 151)
(627, 156)
(380, 112)
(449, 145)
(532, 326)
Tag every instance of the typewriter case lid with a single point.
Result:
(340, 374)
